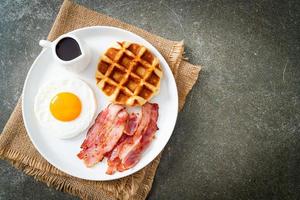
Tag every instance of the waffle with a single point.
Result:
(129, 74)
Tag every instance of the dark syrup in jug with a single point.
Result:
(67, 49)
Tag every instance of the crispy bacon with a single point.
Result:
(123, 137)
(102, 123)
(128, 153)
(132, 123)
(134, 155)
(120, 137)
(104, 134)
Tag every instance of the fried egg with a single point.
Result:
(65, 107)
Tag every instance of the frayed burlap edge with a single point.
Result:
(175, 57)
(14, 156)
(57, 182)
(60, 182)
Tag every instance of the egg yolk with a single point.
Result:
(65, 106)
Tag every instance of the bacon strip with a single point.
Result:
(128, 153)
(104, 134)
(132, 123)
(122, 139)
(102, 123)
(133, 157)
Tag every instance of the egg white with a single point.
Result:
(58, 128)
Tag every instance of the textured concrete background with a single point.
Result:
(238, 136)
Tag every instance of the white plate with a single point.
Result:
(62, 153)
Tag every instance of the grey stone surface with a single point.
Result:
(238, 134)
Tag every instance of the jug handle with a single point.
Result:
(45, 43)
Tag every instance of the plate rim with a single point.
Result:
(112, 177)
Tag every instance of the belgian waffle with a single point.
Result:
(129, 74)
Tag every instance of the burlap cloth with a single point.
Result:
(16, 146)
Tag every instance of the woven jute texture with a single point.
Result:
(16, 147)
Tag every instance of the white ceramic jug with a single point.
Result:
(77, 64)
